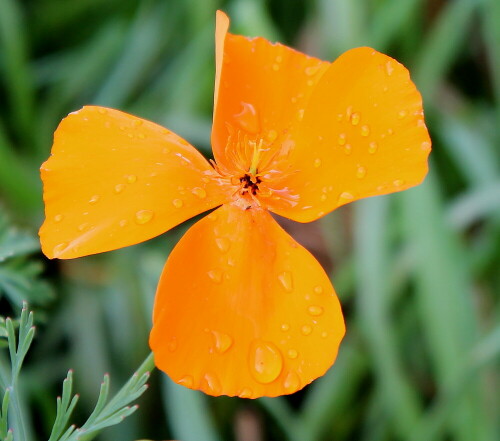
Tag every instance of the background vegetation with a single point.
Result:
(418, 273)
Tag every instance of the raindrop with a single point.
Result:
(292, 353)
(247, 118)
(372, 147)
(200, 192)
(102, 111)
(324, 334)
(311, 70)
(83, 226)
(365, 130)
(348, 149)
(398, 182)
(186, 381)
(276, 67)
(300, 114)
(119, 188)
(292, 382)
(345, 197)
(286, 281)
(426, 146)
(360, 172)
(215, 275)
(315, 310)
(177, 203)
(245, 393)
(323, 197)
(141, 136)
(265, 361)
(213, 384)
(222, 341)
(318, 289)
(285, 327)
(389, 68)
(355, 119)
(172, 344)
(123, 222)
(342, 139)
(58, 249)
(310, 82)
(272, 135)
(58, 218)
(306, 330)
(94, 199)
(317, 162)
(223, 244)
(131, 179)
(402, 114)
(143, 216)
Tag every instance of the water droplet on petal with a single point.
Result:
(365, 130)
(272, 135)
(300, 114)
(215, 275)
(292, 353)
(317, 162)
(143, 216)
(318, 289)
(222, 341)
(58, 249)
(213, 384)
(324, 334)
(402, 114)
(172, 344)
(306, 330)
(123, 222)
(426, 146)
(223, 244)
(311, 70)
(58, 218)
(342, 139)
(276, 67)
(389, 68)
(355, 119)
(372, 147)
(348, 149)
(247, 118)
(200, 192)
(186, 381)
(265, 361)
(345, 197)
(119, 188)
(292, 382)
(94, 199)
(286, 281)
(315, 310)
(102, 111)
(83, 227)
(398, 182)
(360, 172)
(131, 179)
(323, 197)
(177, 203)
(285, 327)
(245, 393)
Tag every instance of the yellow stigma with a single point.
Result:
(257, 149)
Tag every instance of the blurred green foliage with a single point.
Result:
(418, 273)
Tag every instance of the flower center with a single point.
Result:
(250, 184)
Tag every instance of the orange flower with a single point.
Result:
(241, 308)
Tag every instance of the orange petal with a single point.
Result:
(363, 134)
(242, 309)
(261, 90)
(221, 27)
(115, 180)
